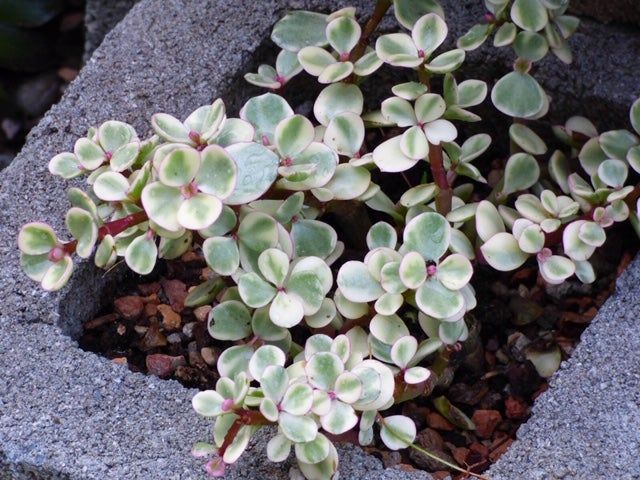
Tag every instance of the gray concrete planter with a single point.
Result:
(69, 414)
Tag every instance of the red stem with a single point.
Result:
(436, 161)
(112, 228)
(378, 13)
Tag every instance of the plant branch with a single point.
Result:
(436, 161)
(112, 228)
(376, 17)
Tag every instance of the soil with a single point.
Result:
(148, 328)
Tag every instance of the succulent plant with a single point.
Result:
(253, 195)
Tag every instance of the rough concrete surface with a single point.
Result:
(621, 11)
(69, 414)
(100, 18)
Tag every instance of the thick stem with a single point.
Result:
(424, 77)
(112, 228)
(376, 17)
(436, 161)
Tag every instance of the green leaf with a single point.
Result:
(264, 113)
(398, 49)
(343, 34)
(505, 35)
(170, 128)
(229, 321)
(208, 403)
(161, 204)
(274, 266)
(388, 329)
(307, 287)
(437, 301)
(617, 143)
(258, 231)
(408, 12)
(254, 291)
(556, 269)
(207, 119)
(447, 62)
(348, 387)
(440, 131)
(113, 134)
(527, 139)
(455, 271)
(399, 111)
(518, 95)
(530, 46)
(634, 116)
(337, 99)
(179, 167)
(413, 270)
(265, 356)
(322, 369)
(199, 211)
(378, 384)
(124, 156)
(89, 154)
(106, 254)
(257, 169)
(204, 293)
(429, 32)
(367, 64)
(313, 238)
(65, 165)
(82, 226)
(388, 156)
(403, 351)
(471, 93)
(409, 90)
(36, 238)
(315, 60)
(315, 451)
(503, 253)
(293, 135)
(382, 234)
(348, 182)
(278, 448)
(428, 234)
(520, 173)
(298, 429)
(111, 187)
(419, 194)
(234, 360)
(475, 37)
(221, 254)
(613, 173)
(488, 220)
(414, 143)
(141, 254)
(217, 172)
(429, 107)
(340, 419)
(286, 310)
(356, 283)
(298, 399)
(299, 29)
(345, 133)
(274, 382)
(529, 15)
(57, 275)
(397, 432)
(453, 414)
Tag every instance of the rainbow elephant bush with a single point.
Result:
(251, 194)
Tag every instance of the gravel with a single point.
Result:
(69, 414)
